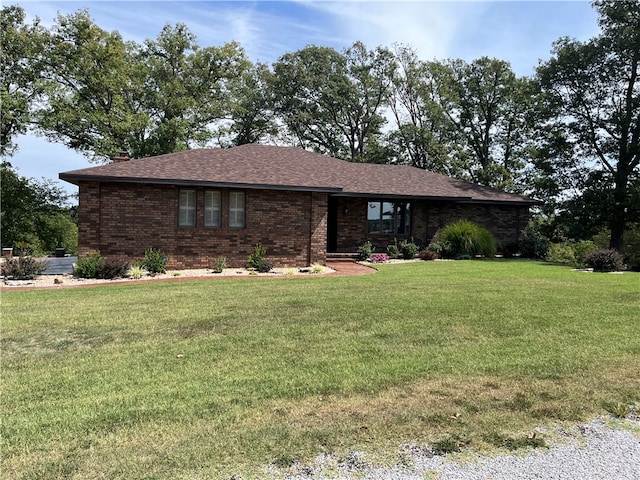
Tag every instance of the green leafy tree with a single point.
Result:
(188, 89)
(423, 133)
(595, 88)
(488, 107)
(105, 95)
(21, 46)
(251, 116)
(92, 85)
(35, 214)
(332, 102)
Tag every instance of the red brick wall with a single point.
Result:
(506, 222)
(125, 219)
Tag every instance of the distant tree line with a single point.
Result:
(569, 135)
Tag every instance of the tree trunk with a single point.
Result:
(619, 213)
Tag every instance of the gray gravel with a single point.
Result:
(594, 451)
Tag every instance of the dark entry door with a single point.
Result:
(332, 225)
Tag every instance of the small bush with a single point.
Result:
(604, 261)
(155, 261)
(257, 258)
(264, 267)
(465, 239)
(428, 254)
(533, 244)
(581, 249)
(408, 249)
(317, 268)
(113, 268)
(393, 251)
(95, 266)
(137, 272)
(439, 247)
(219, 264)
(561, 254)
(379, 258)
(23, 268)
(365, 250)
(89, 266)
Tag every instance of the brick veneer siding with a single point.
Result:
(123, 219)
(505, 222)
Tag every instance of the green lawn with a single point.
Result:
(208, 379)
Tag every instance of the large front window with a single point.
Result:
(389, 218)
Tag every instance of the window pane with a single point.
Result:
(187, 208)
(212, 203)
(403, 218)
(236, 209)
(388, 214)
(373, 217)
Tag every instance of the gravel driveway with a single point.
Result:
(594, 451)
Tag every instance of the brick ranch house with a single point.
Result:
(202, 204)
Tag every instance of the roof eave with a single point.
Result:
(76, 179)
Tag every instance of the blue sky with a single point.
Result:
(518, 31)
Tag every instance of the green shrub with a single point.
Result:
(439, 247)
(393, 251)
(219, 264)
(23, 268)
(466, 239)
(89, 266)
(257, 258)
(408, 249)
(560, 253)
(154, 261)
(365, 250)
(581, 249)
(96, 266)
(533, 244)
(604, 261)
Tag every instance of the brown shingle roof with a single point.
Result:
(290, 168)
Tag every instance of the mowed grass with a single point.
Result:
(210, 379)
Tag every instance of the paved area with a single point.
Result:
(60, 265)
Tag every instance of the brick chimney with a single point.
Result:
(123, 156)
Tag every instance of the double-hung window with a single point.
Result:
(187, 208)
(212, 208)
(236, 209)
(389, 218)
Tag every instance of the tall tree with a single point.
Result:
(251, 116)
(423, 133)
(92, 89)
(332, 102)
(187, 89)
(21, 46)
(595, 86)
(105, 94)
(488, 107)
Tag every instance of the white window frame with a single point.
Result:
(187, 207)
(212, 208)
(237, 202)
